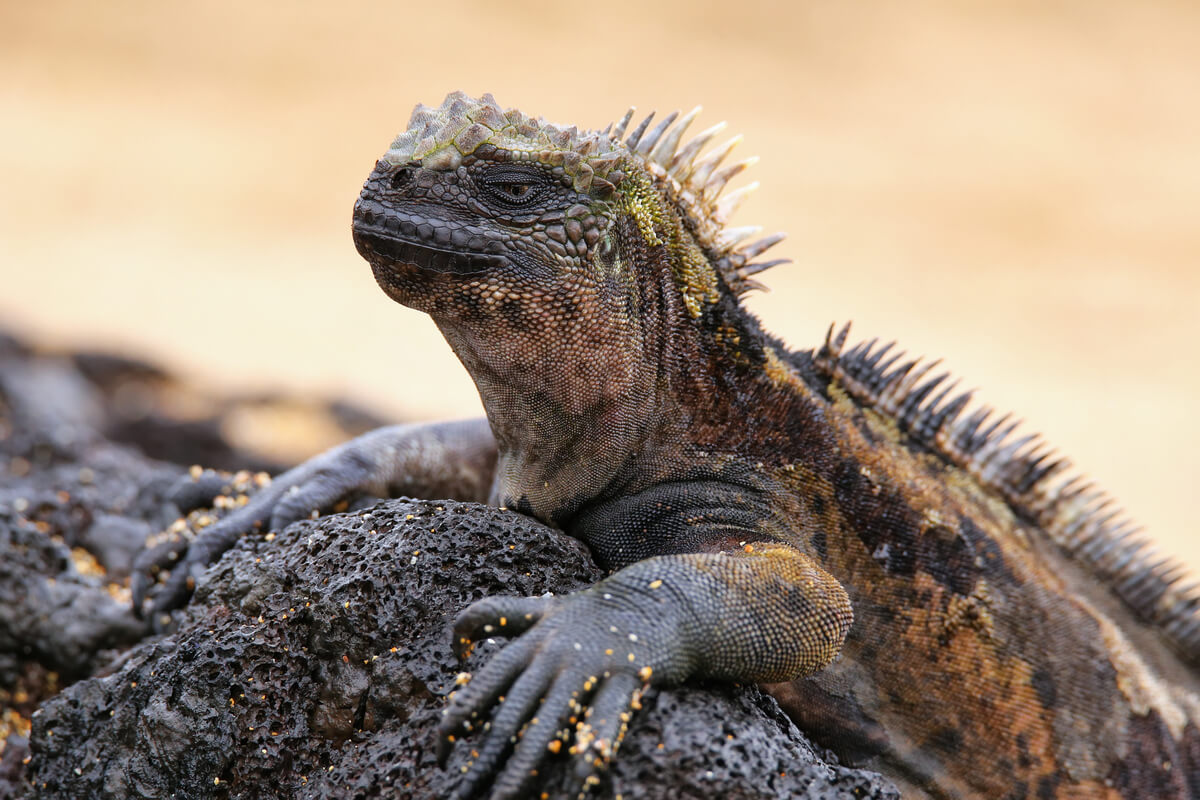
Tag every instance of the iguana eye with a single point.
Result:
(515, 191)
(514, 186)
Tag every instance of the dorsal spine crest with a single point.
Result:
(1026, 473)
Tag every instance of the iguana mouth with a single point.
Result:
(376, 245)
(384, 240)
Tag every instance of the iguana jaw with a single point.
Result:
(387, 251)
(413, 248)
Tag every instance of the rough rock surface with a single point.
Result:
(309, 665)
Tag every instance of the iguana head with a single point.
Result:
(474, 208)
(574, 273)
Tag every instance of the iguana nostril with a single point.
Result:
(401, 178)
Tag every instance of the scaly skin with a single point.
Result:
(770, 516)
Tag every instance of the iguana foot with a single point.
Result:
(570, 682)
(448, 459)
(314, 486)
(576, 672)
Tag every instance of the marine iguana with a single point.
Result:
(923, 590)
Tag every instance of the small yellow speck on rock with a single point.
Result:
(656, 583)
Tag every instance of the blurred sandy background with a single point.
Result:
(1012, 186)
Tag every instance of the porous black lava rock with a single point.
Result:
(314, 666)
(74, 509)
(77, 506)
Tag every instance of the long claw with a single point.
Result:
(197, 491)
(598, 736)
(164, 556)
(172, 594)
(510, 717)
(186, 560)
(205, 549)
(479, 695)
(533, 748)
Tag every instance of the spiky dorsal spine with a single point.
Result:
(1026, 472)
(695, 183)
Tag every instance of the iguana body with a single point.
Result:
(921, 591)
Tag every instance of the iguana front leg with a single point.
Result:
(454, 460)
(763, 613)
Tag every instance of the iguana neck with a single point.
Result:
(579, 415)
